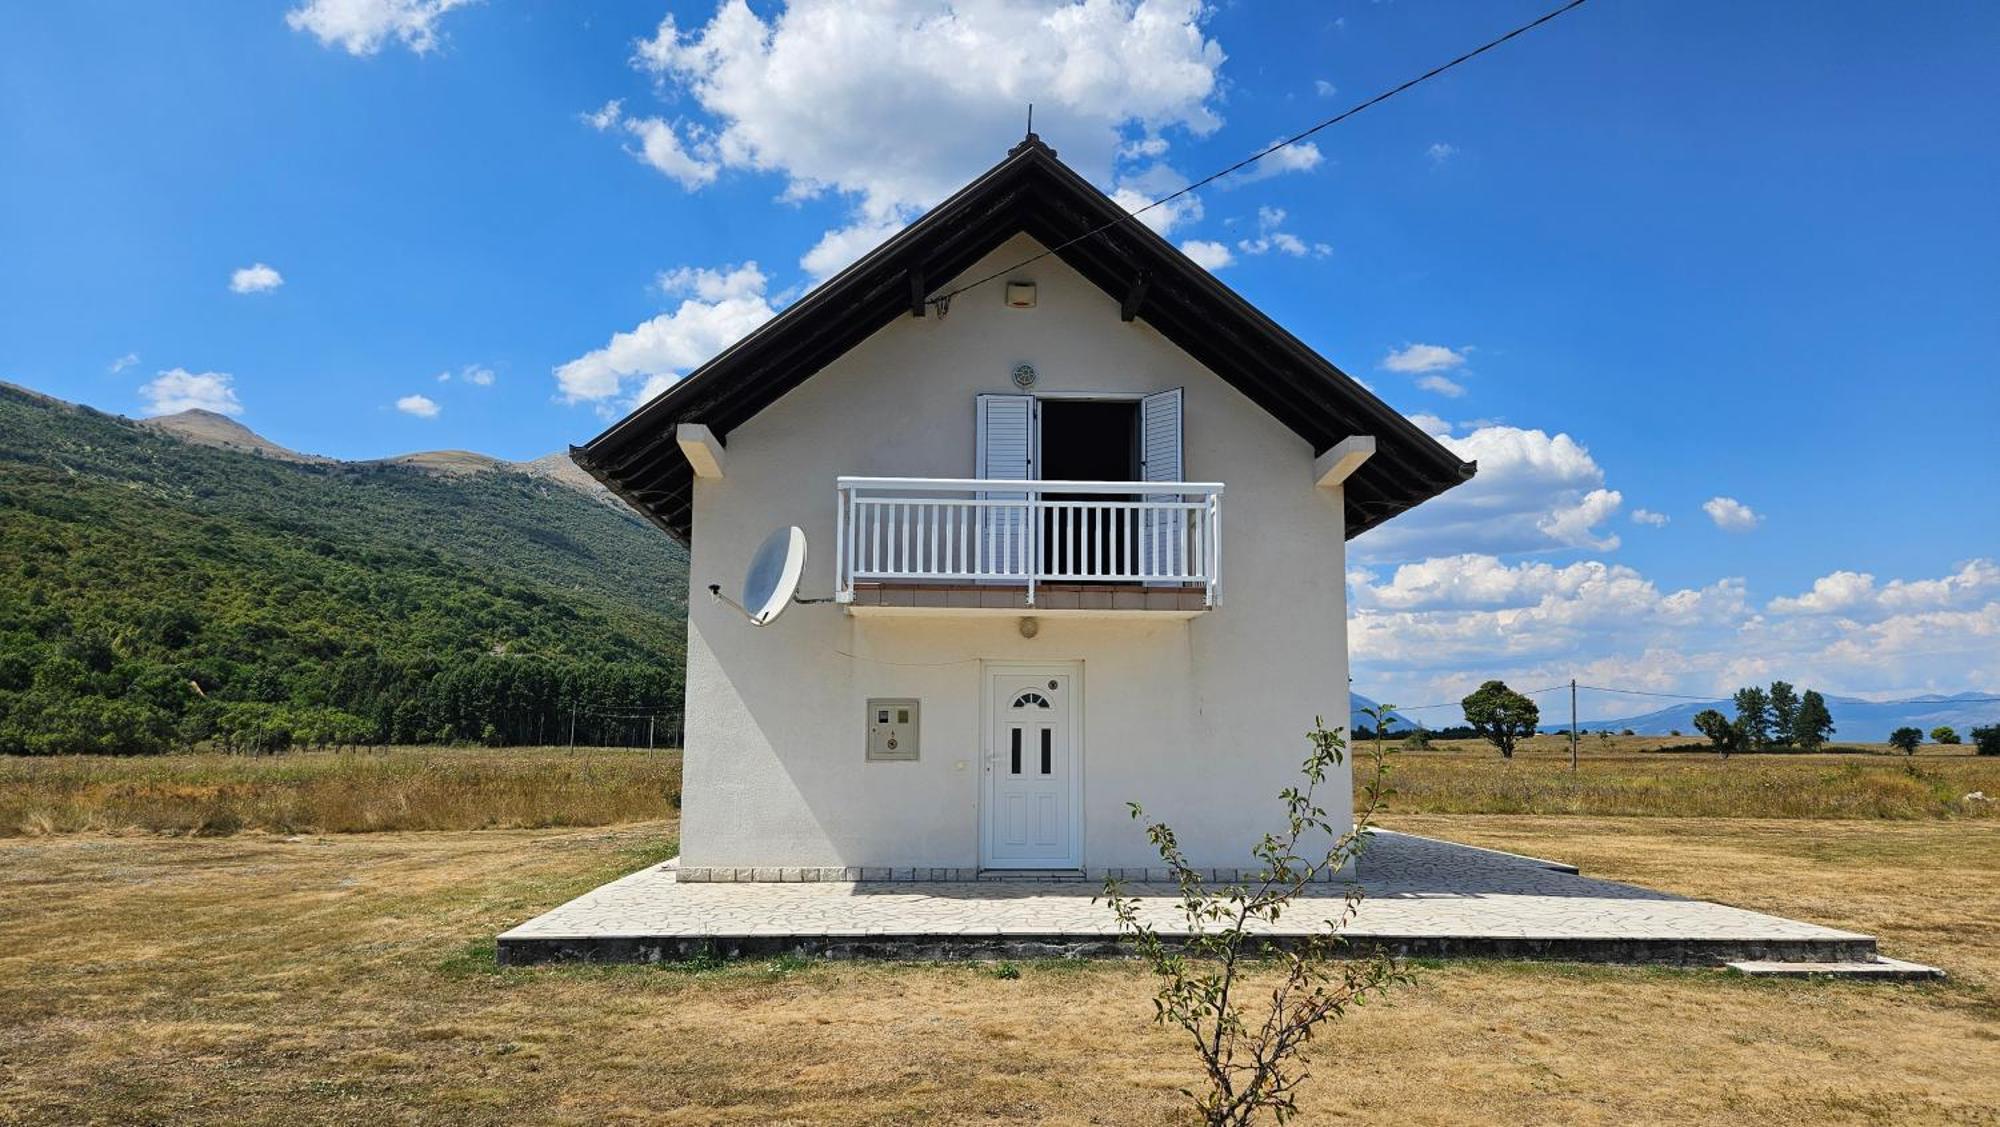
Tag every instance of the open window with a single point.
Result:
(1093, 439)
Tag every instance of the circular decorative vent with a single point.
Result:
(1024, 375)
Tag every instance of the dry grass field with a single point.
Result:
(530, 788)
(338, 792)
(1626, 775)
(262, 978)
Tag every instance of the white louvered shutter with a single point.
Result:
(1005, 452)
(1164, 535)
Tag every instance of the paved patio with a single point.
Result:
(1424, 897)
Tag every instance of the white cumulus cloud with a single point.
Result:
(1414, 358)
(178, 389)
(1435, 628)
(1439, 152)
(1145, 191)
(660, 146)
(1300, 156)
(123, 362)
(719, 308)
(1651, 518)
(1731, 515)
(1855, 594)
(896, 103)
(1534, 492)
(256, 278)
(361, 27)
(1209, 255)
(1272, 236)
(478, 375)
(422, 406)
(1443, 385)
(843, 245)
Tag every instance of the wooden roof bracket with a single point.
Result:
(1128, 308)
(1339, 463)
(702, 448)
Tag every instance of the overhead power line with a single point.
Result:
(1646, 693)
(1392, 710)
(944, 299)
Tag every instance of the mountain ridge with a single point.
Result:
(208, 428)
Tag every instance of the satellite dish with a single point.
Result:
(773, 578)
(772, 583)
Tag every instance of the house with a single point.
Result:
(1081, 531)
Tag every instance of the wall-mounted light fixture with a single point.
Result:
(1020, 295)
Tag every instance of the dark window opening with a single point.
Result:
(1015, 768)
(1089, 440)
(1047, 760)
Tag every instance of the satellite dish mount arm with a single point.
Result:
(715, 591)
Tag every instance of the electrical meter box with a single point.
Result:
(892, 729)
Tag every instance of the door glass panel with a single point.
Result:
(1047, 735)
(1015, 735)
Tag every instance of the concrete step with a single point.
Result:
(1879, 969)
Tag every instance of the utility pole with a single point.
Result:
(1572, 725)
(650, 719)
(572, 725)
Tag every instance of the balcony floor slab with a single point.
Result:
(1053, 599)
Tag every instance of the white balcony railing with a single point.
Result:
(1026, 533)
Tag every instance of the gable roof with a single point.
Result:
(1031, 191)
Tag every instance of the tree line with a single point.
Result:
(1778, 717)
(1766, 719)
(63, 707)
(1985, 739)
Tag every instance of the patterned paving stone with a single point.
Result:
(1421, 895)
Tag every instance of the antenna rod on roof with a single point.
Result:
(1031, 119)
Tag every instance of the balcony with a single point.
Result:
(931, 545)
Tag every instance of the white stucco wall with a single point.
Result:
(1203, 721)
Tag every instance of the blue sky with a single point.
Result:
(1649, 258)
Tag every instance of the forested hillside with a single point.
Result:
(156, 593)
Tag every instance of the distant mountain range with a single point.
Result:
(1866, 721)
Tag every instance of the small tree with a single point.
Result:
(1718, 729)
(1256, 1065)
(1986, 739)
(1944, 734)
(1501, 716)
(1784, 712)
(1906, 739)
(1753, 718)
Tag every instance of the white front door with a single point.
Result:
(1031, 802)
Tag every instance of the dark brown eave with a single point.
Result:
(1031, 191)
